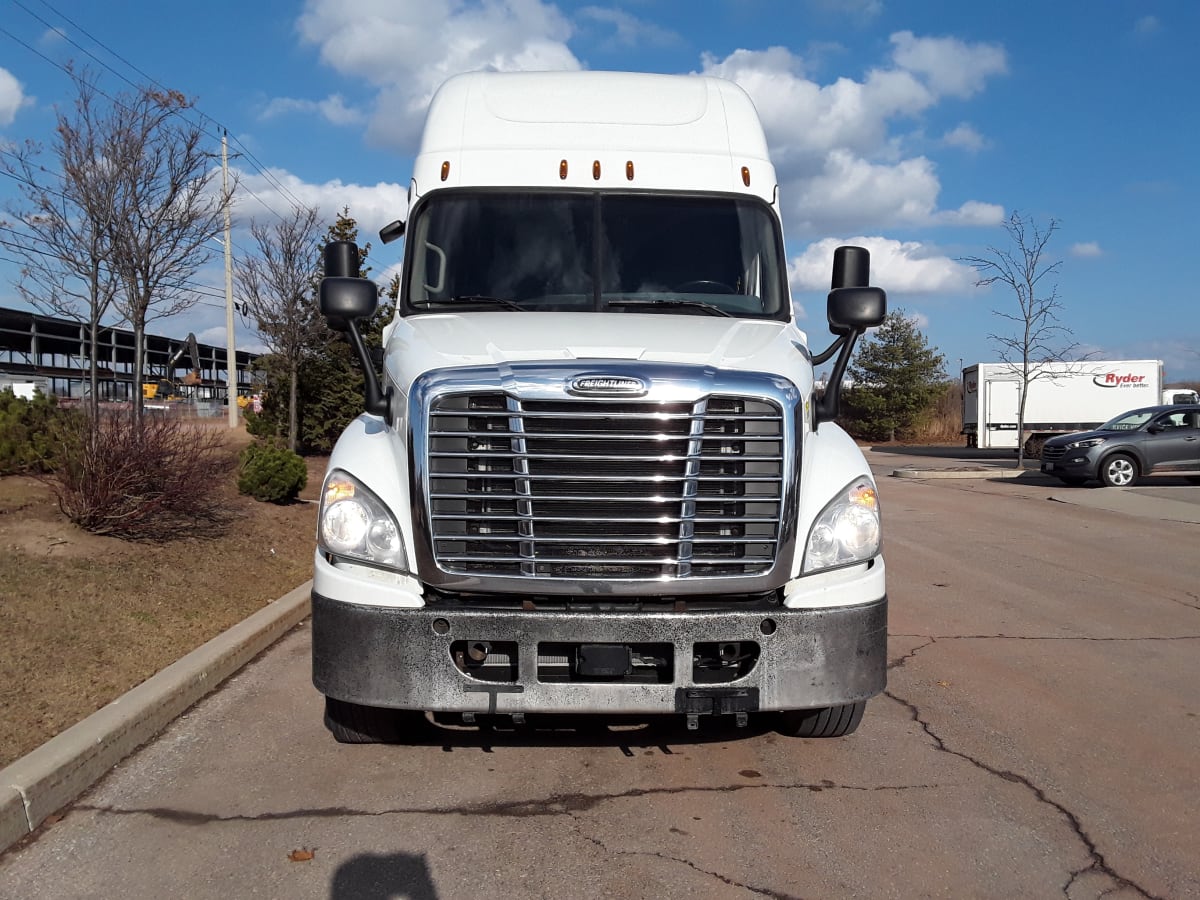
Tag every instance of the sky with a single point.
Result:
(915, 129)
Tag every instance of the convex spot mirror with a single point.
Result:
(348, 298)
(855, 309)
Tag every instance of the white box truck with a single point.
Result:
(1064, 397)
(593, 476)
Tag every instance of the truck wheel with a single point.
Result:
(1119, 470)
(353, 723)
(826, 722)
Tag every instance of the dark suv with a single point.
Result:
(1154, 440)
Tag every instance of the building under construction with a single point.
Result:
(53, 354)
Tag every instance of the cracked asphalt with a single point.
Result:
(1037, 739)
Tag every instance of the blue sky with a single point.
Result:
(915, 128)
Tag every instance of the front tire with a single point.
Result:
(353, 723)
(825, 722)
(1119, 470)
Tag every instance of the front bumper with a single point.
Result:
(1074, 464)
(403, 658)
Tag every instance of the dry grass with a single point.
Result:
(86, 617)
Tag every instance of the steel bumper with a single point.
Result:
(401, 658)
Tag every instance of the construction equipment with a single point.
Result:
(166, 388)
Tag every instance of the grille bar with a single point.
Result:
(587, 489)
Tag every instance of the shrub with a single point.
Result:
(271, 474)
(153, 482)
(27, 429)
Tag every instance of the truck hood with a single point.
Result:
(422, 343)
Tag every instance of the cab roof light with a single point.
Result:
(445, 170)
(629, 170)
(596, 170)
(562, 170)
(746, 176)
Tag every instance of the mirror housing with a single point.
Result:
(348, 299)
(392, 232)
(855, 309)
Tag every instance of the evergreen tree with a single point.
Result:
(897, 378)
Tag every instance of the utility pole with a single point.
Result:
(230, 346)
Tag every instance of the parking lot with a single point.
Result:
(1037, 738)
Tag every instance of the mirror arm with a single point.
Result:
(832, 349)
(828, 407)
(378, 401)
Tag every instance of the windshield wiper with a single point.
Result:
(477, 299)
(707, 308)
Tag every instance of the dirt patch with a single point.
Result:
(84, 618)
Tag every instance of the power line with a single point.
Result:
(257, 164)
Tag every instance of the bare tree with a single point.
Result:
(276, 288)
(1038, 336)
(67, 221)
(169, 211)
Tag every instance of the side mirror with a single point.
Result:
(853, 309)
(348, 298)
(392, 232)
(345, 299)
(1155, 428)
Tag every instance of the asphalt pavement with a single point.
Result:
(34, 788)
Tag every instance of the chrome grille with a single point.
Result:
(604, 489)
(1052, 453)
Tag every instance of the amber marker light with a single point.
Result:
(746, 176)
(629, 170)
(446, 170)
(865, 497)
(338, 489)
(596, 170)
(562, 170)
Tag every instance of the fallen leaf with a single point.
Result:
(302, 855)
(943, 684)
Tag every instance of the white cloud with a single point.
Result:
(919, 319)
(949, 66)
(902, 267)
(630, 31)
(964, 137)
(839, 165)
(373, 206)
(407, 48)
(1147, 25)
(12, 97)
(52, 37)
(1086, 250)
(333, 109)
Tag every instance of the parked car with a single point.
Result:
(1153, 440)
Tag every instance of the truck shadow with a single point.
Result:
(628, 734)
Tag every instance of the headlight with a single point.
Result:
(847, 531)
(1090, 442)
(354, 523)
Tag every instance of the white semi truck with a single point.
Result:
(594, 476)
(1063, 397)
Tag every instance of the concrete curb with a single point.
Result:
(962, 472)
(56, 773)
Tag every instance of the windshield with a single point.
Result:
(594, 252)
(1130, 421)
